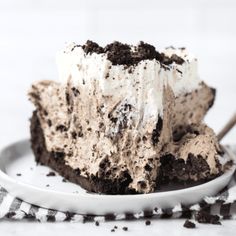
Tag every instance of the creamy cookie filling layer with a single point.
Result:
(114, 108)
(193, 156)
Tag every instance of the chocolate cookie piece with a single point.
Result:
(189, 224)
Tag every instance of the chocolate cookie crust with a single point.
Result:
(177, 170)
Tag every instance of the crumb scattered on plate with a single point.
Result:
(51, 173)
(189, 224)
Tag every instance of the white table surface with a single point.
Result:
(158, 227)
(32, 31)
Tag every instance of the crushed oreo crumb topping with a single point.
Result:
(91, 47)
(123, 54)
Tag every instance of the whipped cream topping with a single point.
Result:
(184, 78)
(138, 84)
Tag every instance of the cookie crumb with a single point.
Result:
(112, 230)
(96, 223)
(47, 185)
(51, 173)
(204, 217)
(148, 222)
(125, 228)
(10, 214)
(189, 224)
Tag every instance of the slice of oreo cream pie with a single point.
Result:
(123, 119)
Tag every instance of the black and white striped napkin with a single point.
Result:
(223, 205)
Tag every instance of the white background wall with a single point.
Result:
(32, 31)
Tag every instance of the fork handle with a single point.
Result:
(228, 126)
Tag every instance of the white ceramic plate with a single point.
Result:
(35, 187)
